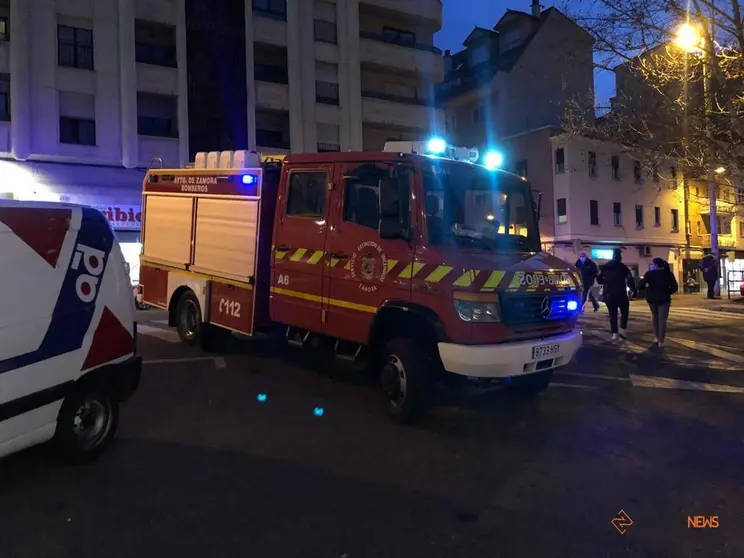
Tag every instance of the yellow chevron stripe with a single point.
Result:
(467, 278)
(347, 267)
(516, 280)
(391, 264)
(438, 274)
(493, 280)
(315, 258)
(297, 256)
(279, 255)
(333, 261)
(410, 271)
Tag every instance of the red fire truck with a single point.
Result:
(424, 267)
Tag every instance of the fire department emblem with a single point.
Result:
(368, 266)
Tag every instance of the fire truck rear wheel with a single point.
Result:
(404, 380)
(188, 319)
(531, 384)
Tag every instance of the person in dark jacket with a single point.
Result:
(660, 285)
(616, 279)
(589, 272)
(709, 265)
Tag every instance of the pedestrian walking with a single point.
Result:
(709, 265)
(660, 285)
(617, 279)
(589, 272)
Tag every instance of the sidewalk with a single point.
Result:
(723, 304)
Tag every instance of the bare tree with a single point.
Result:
(671, 102)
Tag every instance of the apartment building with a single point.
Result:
(518, 76)
(92, 92)
(596, 197)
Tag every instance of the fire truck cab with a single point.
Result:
(424, 266)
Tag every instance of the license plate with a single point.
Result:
(542, 352)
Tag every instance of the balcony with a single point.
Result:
(724, 241)
(269, 30)
(388, 52)
(272, 96)
(394, 111)
(410, 9)
(157, 79)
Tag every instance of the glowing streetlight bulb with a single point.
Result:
(688, 38)
(720, 170)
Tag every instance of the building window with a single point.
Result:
(675, 220)
(594, 212)
(479, 114)
(326, 92)
(398, 36)
(615, 167)
(325, 147)
(740, 196)
(657, 216)
(639, 216)
(157, 115)
(274, 9)
(271, 74)
(75, 47)
(617, 214)
(637, 176)
(307, 194)
(3, 28)
(724, 225)
(4, 96)
(560, 160)
(325, 31)
(271, 138)
(77, 123)
(592, 163)
(80, 131)
(521, 168)
(741, 229)
(561, 210)
(155, 44)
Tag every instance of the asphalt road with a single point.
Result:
(201, 467)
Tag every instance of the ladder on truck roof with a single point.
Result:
(239, 159)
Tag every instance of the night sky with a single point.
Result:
(460, 16)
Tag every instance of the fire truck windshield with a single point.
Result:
(472, 206)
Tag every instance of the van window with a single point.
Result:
(307, 194)
(362, 197)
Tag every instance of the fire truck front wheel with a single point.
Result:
(188, 318)
(404, 380)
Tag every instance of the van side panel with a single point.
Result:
(59, 319)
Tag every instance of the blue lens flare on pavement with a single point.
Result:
(261, 397)
(318, 411)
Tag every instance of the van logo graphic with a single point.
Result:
(369, 266)
(94, 262)
(545, 307)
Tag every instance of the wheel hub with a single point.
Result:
(91, 422)
(394, 381)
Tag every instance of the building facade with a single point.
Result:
(92, 92)
(518, 76)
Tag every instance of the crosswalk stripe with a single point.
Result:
(162, 334)
(624, 344)
(671, 383)
(594, 376)
(698, 346)
(572, 386)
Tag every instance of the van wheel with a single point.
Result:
(531, 384)
(404, 380)
(188, 319)
(86, 423)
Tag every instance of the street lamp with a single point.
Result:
(690, 38)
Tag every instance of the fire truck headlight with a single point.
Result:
(475, 309)
(437, 146)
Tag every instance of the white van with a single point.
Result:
(67, 329)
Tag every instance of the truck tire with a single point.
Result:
(404, 380)
(86, 423)
(531, 384)
(188, 318)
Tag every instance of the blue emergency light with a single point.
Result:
(437, 146)
(493, 159)
(249, 179)
(572, 305)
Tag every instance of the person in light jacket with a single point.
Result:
(660, 285)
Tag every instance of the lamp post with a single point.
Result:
(690, 39)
